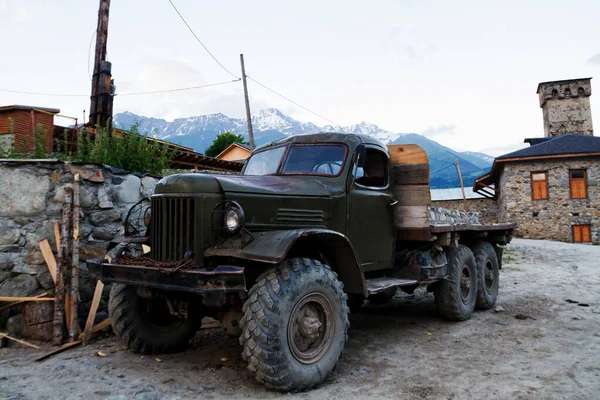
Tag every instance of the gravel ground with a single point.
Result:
(400, 350)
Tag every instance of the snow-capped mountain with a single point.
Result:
(271, 124)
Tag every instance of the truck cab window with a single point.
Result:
(375, 171)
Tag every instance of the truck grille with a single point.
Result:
(173, 226)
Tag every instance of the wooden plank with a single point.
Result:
(49, 258)
(93, 309)
(6, 307)
(3, 298)
(413, 174)
(57, 236)
(413, 217)
(59, 350)
(101, 325)
(412, 195)
(19, 341)
(407, 154)
(72, 323)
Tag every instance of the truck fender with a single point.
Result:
(273, 247)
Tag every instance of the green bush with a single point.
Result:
(129, 151)
(223, 141)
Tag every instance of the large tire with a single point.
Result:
(295, 325)
(456, 295)
(148, 332)
(383, 297)
(488, 274)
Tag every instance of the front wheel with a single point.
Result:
(146, 325)
(295, 325)
(456, 295)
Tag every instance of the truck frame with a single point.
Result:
(314, 225)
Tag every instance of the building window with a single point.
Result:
(578, 180)
(539, 186)
(582, 234)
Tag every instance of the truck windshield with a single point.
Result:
(265, 163)
(315, 159)
(303, 159)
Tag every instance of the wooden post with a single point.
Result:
(101, 100)
(61, 273)
(74, 289)
(248, 116)
(462, 187)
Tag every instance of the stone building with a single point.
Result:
(551, 187)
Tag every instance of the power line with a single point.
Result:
(121, 94)
(180, 89)
(202, 44)
(291, 101)
(90, 53)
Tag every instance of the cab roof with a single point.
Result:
(350, 139)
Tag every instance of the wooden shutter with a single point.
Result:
(582, 234)
(578, 183)
(539, 186)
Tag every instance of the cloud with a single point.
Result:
(595, 59)
(164, 75)
(16, 12)
(437, 131)
(504, 149)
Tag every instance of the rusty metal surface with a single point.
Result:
(377, 285)
(224, 278)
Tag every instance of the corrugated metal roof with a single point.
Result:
(453, 194)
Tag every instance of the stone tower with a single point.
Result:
(566, 107)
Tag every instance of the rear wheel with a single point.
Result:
(146, 325)
(295, 325)
(456, 295)
(489, 275)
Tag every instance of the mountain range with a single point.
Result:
(271, 124)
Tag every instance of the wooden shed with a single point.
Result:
(18, 126)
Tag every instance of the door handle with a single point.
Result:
(393, 203)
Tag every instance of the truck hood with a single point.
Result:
(188, 183)
(278, 185)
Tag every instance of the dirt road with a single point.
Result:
(400, 350)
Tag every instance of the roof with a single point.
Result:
(563, 146)
(28, 108)
(536, 140)
(454, 194)
(556, 146)
(560, 82)
(232, 145)
(326, 137)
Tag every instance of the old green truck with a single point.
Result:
(312, 227)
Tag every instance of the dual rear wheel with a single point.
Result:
(472, 282)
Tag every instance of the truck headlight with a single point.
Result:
(233, 219)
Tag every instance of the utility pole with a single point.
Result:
(462, 187)
(102, 97)
(248, 117)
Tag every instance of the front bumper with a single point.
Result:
(224, 278)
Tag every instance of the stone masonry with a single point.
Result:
(485, 207)
(553, 218)
(31, 198)
(566, 107)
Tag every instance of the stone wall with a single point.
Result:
(441, 216)
(566, 107)
(553, 218)
(31, 198)
(485, 207)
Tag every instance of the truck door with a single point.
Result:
(370, 222)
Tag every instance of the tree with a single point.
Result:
(222, 141)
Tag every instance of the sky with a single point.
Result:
(463, 73)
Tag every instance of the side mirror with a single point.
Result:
(361, 155)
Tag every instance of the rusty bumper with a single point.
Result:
(224, 278)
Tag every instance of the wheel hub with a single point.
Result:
(466, 284)
(310, 328)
